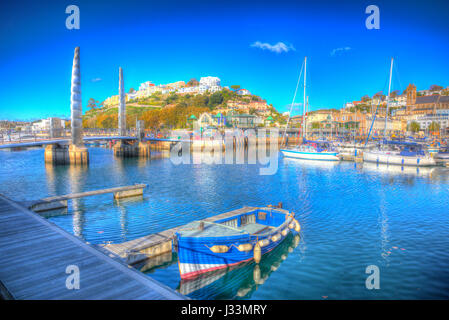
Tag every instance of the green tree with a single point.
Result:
(414, 126)
(435, 87)
(192, 83)
(394, 94)
(107, 123)
(366, 98)
(316, 125)
(92, 104)
(434, 127)
(235, 88)
(215, 99)
(200, 101)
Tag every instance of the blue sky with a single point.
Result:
(166, 41)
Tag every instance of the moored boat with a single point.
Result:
(205, 246)
(400, 153)
(312, 150)
(443, 155)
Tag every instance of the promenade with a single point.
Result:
(35, 255)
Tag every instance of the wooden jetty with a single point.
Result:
(153, 245)
(36, 254)
(58, 202)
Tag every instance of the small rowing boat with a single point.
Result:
(205, 246)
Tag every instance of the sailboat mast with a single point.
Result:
(304, 104)
(307, 111)
(388, 99)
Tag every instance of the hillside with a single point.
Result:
(172, 110)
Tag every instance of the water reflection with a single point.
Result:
(399, 170)
(239, 282)
(76, 178)
(312, 163)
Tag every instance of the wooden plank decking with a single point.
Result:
(35, 254)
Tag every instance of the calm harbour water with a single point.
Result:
(351, 216)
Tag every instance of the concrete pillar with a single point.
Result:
(138, 149)
(57, 154)
(78, 155)
(144, 150)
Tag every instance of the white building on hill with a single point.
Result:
(210, 81)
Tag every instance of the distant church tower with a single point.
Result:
(411, 94)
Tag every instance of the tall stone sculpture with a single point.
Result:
(76, 152)
(122, 105)
(128, 147)
(75, 101)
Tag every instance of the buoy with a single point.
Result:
(264, 242)
(291, 225)
(245, 247)
(256, 274)
(284, 232)
(257, 253)
(276, 237)
(296, 241)
(297, 226)
(219, 249)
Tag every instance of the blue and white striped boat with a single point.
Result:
(205, 246)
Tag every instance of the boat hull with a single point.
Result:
(197, 254)
(325, 156)
(398, 159)
(196, 258)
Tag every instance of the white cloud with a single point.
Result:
(338, 51)
(96, 79)
(278, 47)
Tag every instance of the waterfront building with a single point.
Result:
(132, 96)
(202, 89)
(190, 90)
(143, 86)
(111, 101)
(349, 105)
(243, 92)
(411, 94)
(319, 116)
(210, 81)
(441, 117)
(399, 101)
(243, 121)
(213, 89)
(176, 85)
(45, 124)
(429, 104)
(296, 121)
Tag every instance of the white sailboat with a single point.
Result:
(309, 150)
(397, 152)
